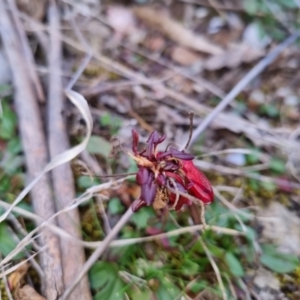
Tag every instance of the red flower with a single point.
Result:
(160, 173)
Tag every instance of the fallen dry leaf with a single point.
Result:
(184, 56)
(175, 31)
(233, 57)
(15, 277)
(27, 293)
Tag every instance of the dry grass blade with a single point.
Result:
(64, 157)
(215, 267)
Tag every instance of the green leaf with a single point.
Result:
(144, 294)
(167, 290)
(269, 186)
(7, 242)
(4, 184)
(254, 184)
(251, 6)
(98, 145)
(234, 264)
(13, 163)
(8, 122)
(86, 182)
(105, 120)
(189, 268)
(115, 206)
(4, 88)
(277, 261)
(277, 165)
(270, 110)
(253, 158)
(198, 286)
(104, 277)
(14, 146)
(140, 218)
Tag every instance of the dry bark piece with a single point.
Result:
(175, 31)
(27, 293)
(15, 277)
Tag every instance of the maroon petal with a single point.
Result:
(161, 179)
(142, 175)
(153, 140)
(153, 137)
(160, 140)
(181, 155)
(137, 204)
(135, 140)
(149, 190)
(171, 166)
(162, 155)
(201, 187)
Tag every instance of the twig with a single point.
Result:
(256, 70)
(72, 253)
(96, 169)
(37, 86)
(34, 144)
(85, 61)
(101, 209)
(98, 252)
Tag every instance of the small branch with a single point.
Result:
(73, 256)
(37, 86)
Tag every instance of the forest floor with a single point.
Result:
(145, 66)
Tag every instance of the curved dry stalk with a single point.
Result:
(215, 267)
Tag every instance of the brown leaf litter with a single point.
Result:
(176, 31)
